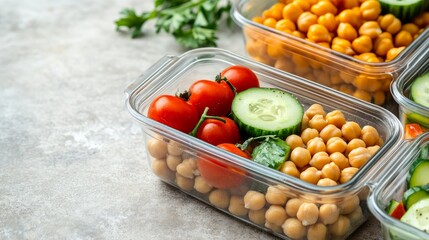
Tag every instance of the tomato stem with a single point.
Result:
(204, 117)
(219, 78)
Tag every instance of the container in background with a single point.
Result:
(262, 197)
(365, 80)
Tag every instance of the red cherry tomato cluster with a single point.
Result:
(202, 111)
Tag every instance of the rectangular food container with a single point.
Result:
(367, 80)
(175, 157)
(409, 111)
(393, 186)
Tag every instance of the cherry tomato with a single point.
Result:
(240, 77)
(214, 95)
(215, 132)
(174, 112)
(222, 175)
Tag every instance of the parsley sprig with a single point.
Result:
(192, 23)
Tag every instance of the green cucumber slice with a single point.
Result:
(392, 205)
(424, 152)
(419, 173)
(405, 10)
(417, 118)
(415, 194)
(272, 153)
(418, 215)
(267, 111)
(419, 91)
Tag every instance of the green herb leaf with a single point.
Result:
(272, 153)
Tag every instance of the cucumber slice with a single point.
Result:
(392, 205)
(267, 111)
(418, 215)
(419, 91)
(424, 152)
(417, 118)
(415, 194)
(272, 153)
(419, 173)
(405, 10)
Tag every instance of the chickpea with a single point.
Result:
(318, 33)
(362, 94)
(346, 31)
(305, 20)
(315, 145)
(184, 183)
(273, 227)
(187, 168)
(412, 28)
(330, 131)
(300, 156)
(173, 161)
(349, 205)
(403, 39)
(336, 118)
(351, 130)
(370, 10)
(340, 160)
(275, 196)
(317, 231)
(315, 109)
(160, 168)
(257, 216)
(351, 4)
(326, 182)
(350, 16)
(275, 11)
(254, 200)
(289, 168)
(329, 213)
(354, 143)
(323, 7)
(308, 213)
(390, 23)
(270, 22)
(370, 29)
(319, 160)
(356, 216)
(304, 4)
(294, 141)
(362, 44)
(336, 144)
(236, 206)
(308, 134)
(373, 149)
(293, 228)
(201, 186)
(393, 52)
(328, 21)
(174, 148)
(343, 46)
(382, 46)
(219, 198)
(359, 156)
(298, 34)
(275, 214)
(292, 11)
(311, 175)
(369, 135)
(317, 122)
(340, 227)
(292, 206)
(331, 171)
(347, 174)
(157, 148)
(285, 25)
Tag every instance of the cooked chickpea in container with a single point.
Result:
(333, 38)
(303, 181)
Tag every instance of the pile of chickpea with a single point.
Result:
(355, 28)
(329, 151)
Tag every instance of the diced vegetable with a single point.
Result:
(396, 209)
(419, 92)
(419, 175)
(412, 130)
(415, 194)
(418, 215)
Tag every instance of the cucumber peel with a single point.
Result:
(405, 10)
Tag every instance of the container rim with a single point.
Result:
(408, 147)
(361, 178)
(351, 62)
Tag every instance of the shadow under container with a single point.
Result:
(392, 186)
(257, 191)
(369, 81)
(409, 111)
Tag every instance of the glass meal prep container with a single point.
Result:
(409, 111)
(264, 198)
(293, 52)
(392, 187)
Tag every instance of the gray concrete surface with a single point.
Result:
(72, 161)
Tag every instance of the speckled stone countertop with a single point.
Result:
(72, 161)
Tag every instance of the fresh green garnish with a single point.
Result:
(192, 23)
(272, 152)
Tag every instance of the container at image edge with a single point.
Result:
(174, 73)
(369, 81)
(392, 186)
(409, 111)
